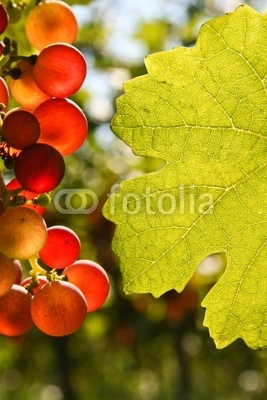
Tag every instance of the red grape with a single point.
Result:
(24, 89)
(7, 274)
(22, 233)
(4, 92)
(39, 168)
(62, 247)
(91, 279)
(60, 70)
(58, 308)
(63, 125)
(50, 22)
(20, 128)
(3, 18)
(15, 312)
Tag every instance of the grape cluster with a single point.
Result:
(45, 126)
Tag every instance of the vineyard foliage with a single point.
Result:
(202, 110)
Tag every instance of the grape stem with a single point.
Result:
(36, 268)
(10, 52)
(16, 72)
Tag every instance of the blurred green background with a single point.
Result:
(135, 347)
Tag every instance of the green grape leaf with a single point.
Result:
(203, 111)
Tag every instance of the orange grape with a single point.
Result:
(39, 168)
(63, 125)
(22, 234)
(24, 89)
(58, 308)
(50, 22)
(20, 128)
(91, 279)
(60, 70)
(15, 312)
(7, 274)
